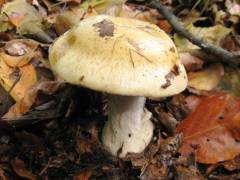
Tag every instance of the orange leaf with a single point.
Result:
(164, 25)
(85, 175)
(83, 146)
(212, 131)
(16, 18)
(17, 80)
(24, 105)
(2, 174)
(1, 3)
(19, 167)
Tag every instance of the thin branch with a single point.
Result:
(222, 54)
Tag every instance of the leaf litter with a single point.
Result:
(51, 130)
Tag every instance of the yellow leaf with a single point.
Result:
(213, 35)
(206, 79)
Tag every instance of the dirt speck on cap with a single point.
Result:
(105, 28)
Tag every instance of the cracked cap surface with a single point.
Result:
(119, 56)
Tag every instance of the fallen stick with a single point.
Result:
(220, 53)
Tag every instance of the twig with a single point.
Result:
(222, 54)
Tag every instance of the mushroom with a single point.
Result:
(128, 59)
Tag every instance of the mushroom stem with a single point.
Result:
(129, 129)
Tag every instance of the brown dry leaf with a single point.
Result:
(21, 170)
(232, 164)
(2, 175)
(24, 105)
(212, 131)
(190, 62)
(19, 52)
(83, 146)
(158, 166)
(2, 2)
(164, 25)
(207, 79)
(5, 101)
(188, 173)
(85, 175)
(17, 80)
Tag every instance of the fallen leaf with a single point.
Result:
(21, 7)
(24, 105)
(19, 52)
(21, 170)
(85, 175)
(5, 101)
(2, 2)
(16, 18)
(191, 102)
(68, 18)
(139, 12)
(232, 164)
(17, 80)
(83, 146)
(212, 131)
(233, 7)
(207, 79)
(187, 173)
(164, 25)
(167, 119)
(29, 143)
(32, 21)
(213, 35)
(231, 81)
(190, 62)
(2, 175)
(158, 165)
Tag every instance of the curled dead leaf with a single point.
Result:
(212, 131)
(24, 105)
(21, 170)
(83, 146)
(207, 79)
(16, 18)
(190, 62)
(19, 52)
(2, 174)
(85, 175)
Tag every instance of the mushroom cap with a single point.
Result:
(119, 56)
